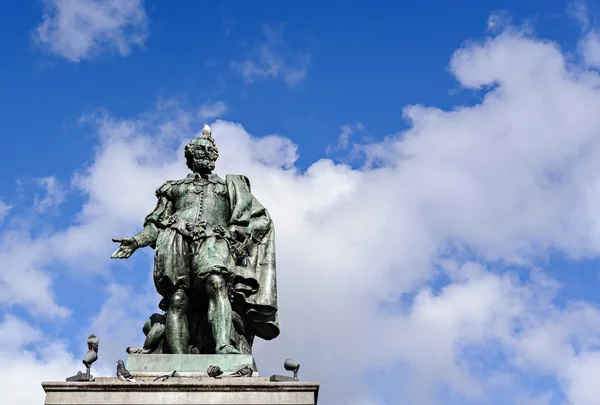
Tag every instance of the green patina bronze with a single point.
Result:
(162, 363)
(214, 261)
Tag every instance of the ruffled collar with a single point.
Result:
(192, 177)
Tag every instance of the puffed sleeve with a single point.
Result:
(162, 210)
(163, 207)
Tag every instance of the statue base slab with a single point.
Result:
(182, 391)
(187, 364)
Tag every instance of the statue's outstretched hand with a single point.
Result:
(128, 246)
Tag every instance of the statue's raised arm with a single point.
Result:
(214, 261)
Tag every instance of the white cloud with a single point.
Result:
(579, 12)
(580, 385)
(4, 210)
(24, 282)
(501, 181)
(273, 59)
(498, 21)
(589, 43)
(81, 29)
(347, 132)
(55, 194)
(345, 143)
(28, 358)
(210, 111)
(589, 47)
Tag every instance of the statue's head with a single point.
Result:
(202, 153)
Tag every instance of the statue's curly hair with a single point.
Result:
(188, 152)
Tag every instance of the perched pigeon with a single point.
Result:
(243, 372)
(214, 371)
(92, 353)
(93, 343)
(123, 373)
(137, 350)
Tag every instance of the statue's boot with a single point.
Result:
(227, 349)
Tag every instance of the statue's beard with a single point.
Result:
(203, 164)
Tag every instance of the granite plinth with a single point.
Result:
(182, 391)
(192, 364)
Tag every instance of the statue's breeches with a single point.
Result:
(184, 263)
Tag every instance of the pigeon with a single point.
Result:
(214, 371)
(123, 373)
(137, 350)
(243, 372)
(92, 342)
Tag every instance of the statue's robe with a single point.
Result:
(185, 229)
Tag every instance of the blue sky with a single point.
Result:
(445, 152)
(367, 61)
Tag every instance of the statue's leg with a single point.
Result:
(154, 338)
(154, 329)
(177, 333)
(219, 314)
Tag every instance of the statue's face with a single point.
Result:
(203, 156)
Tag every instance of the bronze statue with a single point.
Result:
(214, 261)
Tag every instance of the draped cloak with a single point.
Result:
(254, 280)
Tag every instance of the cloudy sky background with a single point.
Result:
(433, 172)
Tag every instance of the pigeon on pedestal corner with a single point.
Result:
(122, 373)
(214, 371)
(243, 372)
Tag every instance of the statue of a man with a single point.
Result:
(214, 250)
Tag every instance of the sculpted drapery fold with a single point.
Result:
(256, 282)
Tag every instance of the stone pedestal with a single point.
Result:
(182, 391)
(187, 364)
